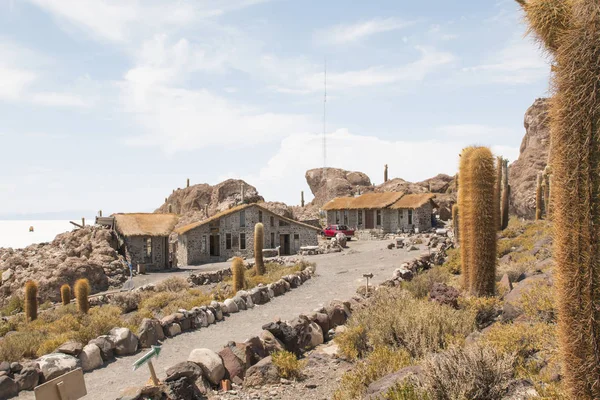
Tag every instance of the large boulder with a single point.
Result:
(235, 366)
(289, 335)
(262, 373)
(106, 346)
(150, 332)
(28, 378)
(72, 348)
(533, 158)
(8, 387)
(91, 357)
(56, 364)
(270, 343)
(327, 183)
(210, 362)
(513, 301)
(185, 369)
(125, 341)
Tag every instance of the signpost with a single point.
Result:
(368, 276)
(154, 352)
(70, 386)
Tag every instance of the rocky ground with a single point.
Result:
(90, 252)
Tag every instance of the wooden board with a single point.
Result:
(70, 386)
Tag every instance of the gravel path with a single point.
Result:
(338, 276)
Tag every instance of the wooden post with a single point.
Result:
(153, 373)
(82, 221)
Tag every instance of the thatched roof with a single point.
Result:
(413, 201)
(365, 201)
(186, 228)
(145, 224)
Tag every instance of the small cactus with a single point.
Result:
(238, 271)
(259, 235)
(65, 294)
(82, 291)
(539, 203)
(31, 303)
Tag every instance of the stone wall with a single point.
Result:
(135, 251)
(194, 245)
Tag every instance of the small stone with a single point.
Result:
(56, 364)
(8, 387)
(28, 378)
(91, 357)
(71, 348)
(106, 346)
(125, 341)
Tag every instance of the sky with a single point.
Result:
(112, 104)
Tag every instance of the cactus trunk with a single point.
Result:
(505, 196)
(498, 190)
(238, 271)
(259, 237)
(65, 294)
(464, 223)
(31, 303)
(455, 223)
(82, 292)
(539, 205)
(547, 194)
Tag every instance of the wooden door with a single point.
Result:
(284, 242)
(215, 246)
(369, 219)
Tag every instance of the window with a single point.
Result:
(243, 219)
(378, 217)
(410, 217)
(283, 223)
(204, 250)
(242, 241)
(359, 217)
(272, 240)
(228, 241)
(346, 217)
(296, 242)
(148, 247)
(337, 217)
(272, 221)
(259, 216)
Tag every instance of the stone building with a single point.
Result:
(144, 238)
(381, 213)
(231, 233)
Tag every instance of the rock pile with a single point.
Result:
(90, 252)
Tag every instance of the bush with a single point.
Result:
(475, 372)
(406, 391)
(398, 320)
(382, 361)
(164, 303)
(288, 365)
(486, 309)
(452, 263)
(521, 339)
(421, 284)
(14, 306)
(352, 343)
(173, 284)
(21, 345)
(539, 304)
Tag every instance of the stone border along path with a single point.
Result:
(338, 276)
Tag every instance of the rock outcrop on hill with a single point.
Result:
(328, 183)
(533, 158)
(90, 252)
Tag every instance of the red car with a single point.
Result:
(333, 230)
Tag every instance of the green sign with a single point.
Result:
(146, 357)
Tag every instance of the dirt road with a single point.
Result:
(338, 276)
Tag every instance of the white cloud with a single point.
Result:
(58, 99)
(13, 82)
(309, 82)
(347, 33)
(283, 176)
(474, 131)
(117, 20)
(520, 62)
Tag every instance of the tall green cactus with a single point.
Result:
(259, 238)
(31, 302)
(505, 196)
(464, 222)
(65, 294)
(498, 190)
(539, 202)
(238, 272)
(570, 31)
(455, 223)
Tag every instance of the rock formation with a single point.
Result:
(328, 183)
(90, 252)
(533, 157)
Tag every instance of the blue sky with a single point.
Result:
(112, 104)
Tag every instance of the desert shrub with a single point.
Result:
(539, 304)
(505, 247)
(274, 272)
(396, 319)
(406, 390)
(303, 264)
(173, 284)
(13, 306)
(353, 343)
(514, 269)
(382, 361)
(452, 263)
(474, 372)
(521, 339)
(288, 365)
(51, 343)
(168, 302)
(485, 309)
(20, 345)
(99, 321)
(421, 284)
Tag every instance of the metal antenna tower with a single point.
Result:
(325, 126)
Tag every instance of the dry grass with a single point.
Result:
(382, 361)
(173, 284)
(539, 303)
(145, 224)
(413, 201)
(365, 201)
(421, 284)
(288, 365)
(353, 343)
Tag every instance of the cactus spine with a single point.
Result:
(498, 190)
(65, 294)
(238, 270)
(505, 195)
(259, 236)
(539, 204)
(455, 218)
(478, 220)
(569, 29)
(82, 292)
(464, 225)
(31, 303)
